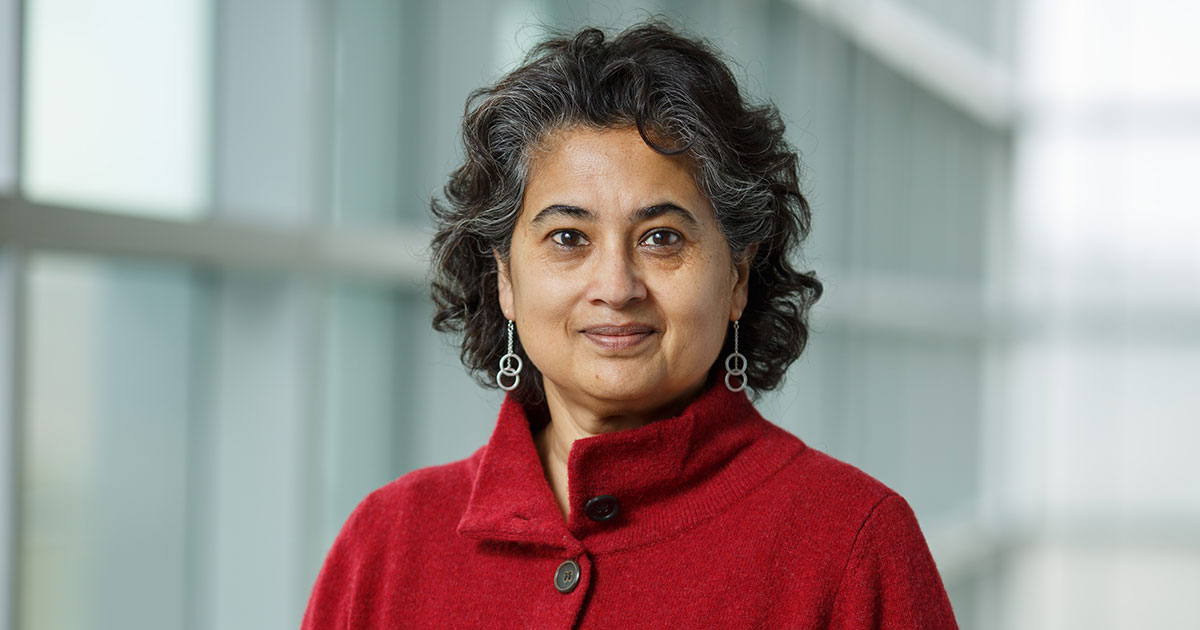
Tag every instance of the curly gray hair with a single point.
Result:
(682, 98)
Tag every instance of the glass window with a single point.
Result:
(984, 24)
(456, 415)
(403, 72)
(194, 437)
(373, 331)
(8, 94)
(263, 404)
(272, 87)
(810, 71)
(8, 377)
(117, 105)
(377, 118)
(104, 515)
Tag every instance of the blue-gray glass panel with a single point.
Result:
(104, 479)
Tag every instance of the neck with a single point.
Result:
(572, 419)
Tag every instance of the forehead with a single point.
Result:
(608, 169)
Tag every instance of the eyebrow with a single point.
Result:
(641, 214)
(574, 212)
(658, 210)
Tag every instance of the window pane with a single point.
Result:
(403, 71)
(260, 454)
(377, 120)
(983, 24)
(116, 104)
(372, 336)
(8, 372)
(8, 95)
(271, 86)
(810, 74)
(103, 517)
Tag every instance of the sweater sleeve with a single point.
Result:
(890, 581)
(329, 605)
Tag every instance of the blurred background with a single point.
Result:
(214, 323)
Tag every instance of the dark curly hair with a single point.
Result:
(682, 98)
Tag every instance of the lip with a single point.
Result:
(619, 336)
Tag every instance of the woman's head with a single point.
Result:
(534, 130)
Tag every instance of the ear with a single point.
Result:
(741, 283)
(504, 286)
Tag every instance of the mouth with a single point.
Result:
(619, 336)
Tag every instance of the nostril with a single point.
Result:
(617, 283)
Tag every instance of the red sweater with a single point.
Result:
(712, 519)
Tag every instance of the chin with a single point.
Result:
(642, 393)
(623, 392)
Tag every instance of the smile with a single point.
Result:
(619, 337)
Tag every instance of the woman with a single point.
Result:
(616, 252)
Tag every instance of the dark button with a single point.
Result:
(602, 508)
(567, 576)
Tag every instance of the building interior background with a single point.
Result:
(215, 325)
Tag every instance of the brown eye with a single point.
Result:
(567, 238)
(662, 238)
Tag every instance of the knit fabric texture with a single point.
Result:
(724, 521)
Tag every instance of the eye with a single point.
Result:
(567, 238)
(662, 238)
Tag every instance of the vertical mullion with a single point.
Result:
(16, 11)
(200, 537)
(312, 496)
(317, 287)
(200, 461)
(323, 94)
(998, 346)
(13, 293)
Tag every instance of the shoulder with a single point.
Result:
(423, 505)
(818, 487)
(826, 477)
(861, 541)
(831, 504)
(890, 577)
(429, 482)
(378, 538)
(426, 498)
(848, 504)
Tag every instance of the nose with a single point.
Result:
(616, 280)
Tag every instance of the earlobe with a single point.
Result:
(503, 286)
(741, 285)
(741, 295)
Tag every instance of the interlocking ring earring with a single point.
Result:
(736, 364)
(510, 365)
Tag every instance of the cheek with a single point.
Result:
(541, 297)
(715, 287)
(699, 305)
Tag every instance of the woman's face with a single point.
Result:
(619, 280)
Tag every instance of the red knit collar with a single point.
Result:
(667, 476)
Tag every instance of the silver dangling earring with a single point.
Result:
(510, 365)
(736, 364)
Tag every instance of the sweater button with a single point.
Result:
(567, 576)
(602, 508)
